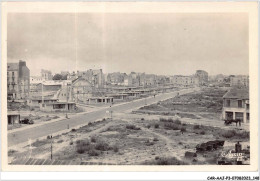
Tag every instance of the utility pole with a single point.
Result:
(67, 98)
(51, 147)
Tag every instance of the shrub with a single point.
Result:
(115, 148)
(244, 134)
(93, 152)
(73, 130)
(60, 141)
(102, 146)
(148, 126)
(196, 126)
(55, 117)
(156, 125)
(48, 137)
(93, 139)
(71, 142)
(10, 152)
(183, 129)
(168, 161)
(172, 126)
(177, 121)
(202, 132)
(229, 133)
(133, 127)
(155, 139)
(142, 119)
(148, 143)
(82, 146)
(166, 120)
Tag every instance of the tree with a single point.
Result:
(57, 77)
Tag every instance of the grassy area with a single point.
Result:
(205, 103)
(218, 133)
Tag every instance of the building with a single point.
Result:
(118, 96)
(81, 89)
(18, 80)
(202, 76)
(35, 102)
(95, 77)
(236, 105)
(72, 76)
(58, 107)
(184, 81)
(239, 81)
(48, 86)
(150, 80)
(13, 118)
(100, 100)
(115, 78)
(132, 79)
(46, 74)
(34, 81)
(65, 94)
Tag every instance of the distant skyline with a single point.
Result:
(163, 44)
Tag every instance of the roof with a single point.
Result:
(60, 103)
(117, 94)
(50, 83)
(236, 93)
(80, 78)
(45, 99)
(12, 66)
(12, 114)
(99, 97)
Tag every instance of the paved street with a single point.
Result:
(47, 129)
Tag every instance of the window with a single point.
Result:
(12, 73)
(239, 116)
(247, 106)
(247, 116)
(58, 106)
(228, 103)
(239, 102)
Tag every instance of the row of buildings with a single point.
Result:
(95, 87)
(230, 80)
(200, 78)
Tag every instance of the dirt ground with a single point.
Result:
(135, 139)
(206, 103)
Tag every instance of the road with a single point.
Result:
(22, 136)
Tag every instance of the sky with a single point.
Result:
(164, 44)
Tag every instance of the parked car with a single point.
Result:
(26, 121)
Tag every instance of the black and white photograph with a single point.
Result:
(129, 89)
